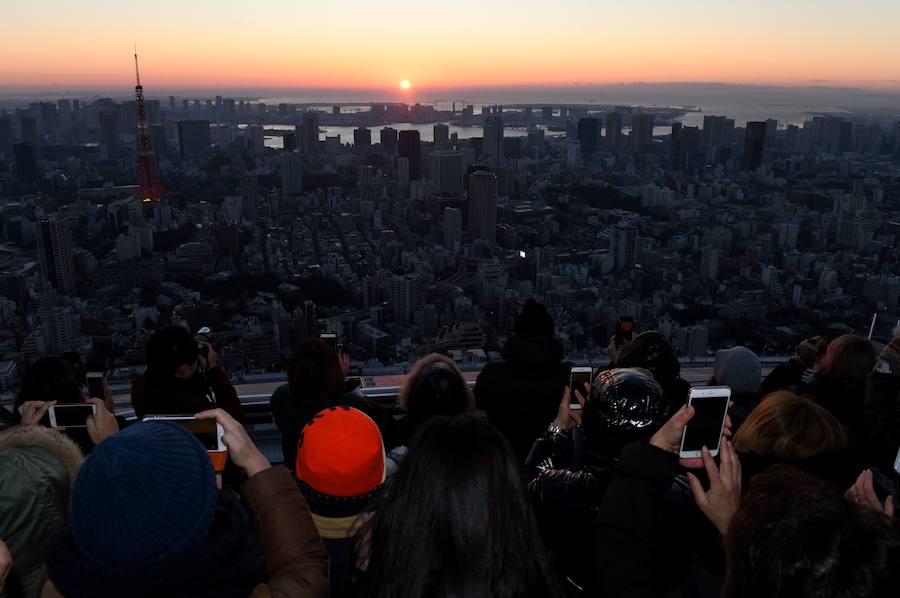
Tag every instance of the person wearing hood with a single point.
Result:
(650, 351)
(521, 393)
(38, 466)
(740, 369)
(623, 406)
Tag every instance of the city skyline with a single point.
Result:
(288, 46)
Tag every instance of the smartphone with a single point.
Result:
(578, 377)
(71, 415)
(705, 428)
(897, 462)
(95, 385)
(331, 339)
(208, 431)
(624, 330)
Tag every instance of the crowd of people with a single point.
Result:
(524, 488)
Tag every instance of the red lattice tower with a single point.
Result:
(149, 186)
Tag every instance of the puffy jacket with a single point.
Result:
(882, 419)
(186, 396)
(38, 466)
(521, 394)
(566, 500)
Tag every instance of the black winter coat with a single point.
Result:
(882, 419)
(521, 394)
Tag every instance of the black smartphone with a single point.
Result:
(624, 330)
(71, 416)
(95, 385)
(706, 427)
(331, 339)
(579, 377)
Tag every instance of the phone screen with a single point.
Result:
(331, 339)
(705, 427)
(71, 416)
(577, 380)
(203, 430)
(95, 386)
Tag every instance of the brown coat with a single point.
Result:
(296, 559)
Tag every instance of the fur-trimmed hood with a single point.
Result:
(56, 443)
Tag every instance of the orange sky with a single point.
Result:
(467, 43)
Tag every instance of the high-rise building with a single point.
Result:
(641, 131)
(624, 246)
(128, 247)
(389, 140)
(589, 135)
(309, 137)
(26, 163)
(250, 197)
(492, 146)
(158, 141)
(405, 297)
(410, 147)
(7, 136)
(709, 263)
(256, 140)
(55, 249)
(754, 144)
(30, 131)
(613, 130)
(483, 205)
(291, 173)
(193, 139)
(109, 135)
(447, 170)
(362, 140)
(452, 225)
(547, 112)
(441, 134)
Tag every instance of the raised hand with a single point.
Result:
(241, 449)
(567, 418)
(32, 412)
(721, 501)
(102, 424)
(863, 493)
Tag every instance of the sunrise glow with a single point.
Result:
(405, 84)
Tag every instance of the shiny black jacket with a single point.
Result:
(566, 500)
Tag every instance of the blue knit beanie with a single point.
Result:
(144, 495)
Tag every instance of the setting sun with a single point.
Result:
(405, 84)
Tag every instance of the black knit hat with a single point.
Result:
(534, 320)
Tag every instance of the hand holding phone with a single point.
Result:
(243, 452)
(209, 432)
(331, 339)
(580, 382)
(73, 415)
(705, 429)
(95, 386)
(624, 330)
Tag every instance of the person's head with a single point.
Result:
(172, 353)
(740, 369)
(315, 375)
(791, 429)
(534, 320)
(796, 536)
(456, 520)
(625, 405)
(143, 504)
(848, 360)
(435, 386)
(340, 462)
(650, 351)
(50, 379)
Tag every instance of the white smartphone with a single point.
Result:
(95, 385)
(710, 405)
(578, 377)
(331, 339)
(71, 415)
(897, 462)
(208, 431)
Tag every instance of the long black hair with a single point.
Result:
(49, 379)
(456, 521)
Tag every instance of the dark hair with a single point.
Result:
(315, 376)
(435, 386)
(49, 379)
(797, 536)
(848, 360)
(650, 351)
(167, 350)
(534, 320)
(456, 521)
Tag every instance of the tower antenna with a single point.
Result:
(137, 72)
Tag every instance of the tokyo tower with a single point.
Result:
(149, 186)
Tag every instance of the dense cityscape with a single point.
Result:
(406, 236)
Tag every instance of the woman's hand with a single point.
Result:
(345, 363)
(721, 501)
(102, 424)
(32, 412)
(5, 564)
(241, 449)
(668, 438)
(863, 493)
(567, 418)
